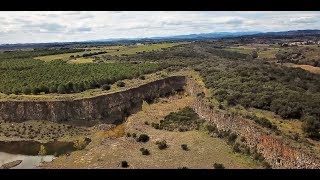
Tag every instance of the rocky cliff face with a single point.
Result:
(277, 151)
(114, 107)
(110, 108)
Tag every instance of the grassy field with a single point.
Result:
(109, 150)
(81, 60)
(61, 56)
(127, 50)
(266, 52)
(41, 131)
(112, 50)
(66, 56)
(309, 68)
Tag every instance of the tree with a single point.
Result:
(69, 87)
(311, 127)
(162, 144)
(62, 89)
(16, 91)
(43, 88)
(121, 84)
(143, 138)
(184, 147)
(145, 151)
(81, 87)
(75, 88)
(53, 88)
(42, 150)
(35, 90)
(124, 164)
(254, 54)
(106, 87)
(26, 90)
(218, 166)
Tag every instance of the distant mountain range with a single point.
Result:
(185, 37)
(172, 38)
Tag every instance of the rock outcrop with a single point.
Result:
(10, 165)
(277, 151)
(110, 107)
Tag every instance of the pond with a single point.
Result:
(28, 162)
(29, 151)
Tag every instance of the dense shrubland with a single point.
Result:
(184, 120)
(299, 55)
(237, 79)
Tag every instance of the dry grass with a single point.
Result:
(81, 60)
(127, 50)
(109, 152)
(42, 131)
(309, 68)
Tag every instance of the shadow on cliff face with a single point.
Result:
(34, 148)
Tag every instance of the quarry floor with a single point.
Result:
(109, 147)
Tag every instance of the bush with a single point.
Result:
(106, 87)
(36, 91)
(121, 84)
(236, 148)
(266, 165)
(142, 77)
(62, 89)
(81, 143)
(143, 138)
(146, 123)
(218, 166)
(128, 135)
(26, 90)
(124, 164)
(145, 151)
(134, 135)
(53, 89)
(185, 147)
(155, 125)
(162, 144)
(212, 128)
(311, 127)
(258, 156)
(232, 138)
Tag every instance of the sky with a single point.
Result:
(66, 26)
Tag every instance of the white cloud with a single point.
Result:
(40, 26)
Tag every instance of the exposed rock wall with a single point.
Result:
(277, 151)
(114, 107)
(111, 107)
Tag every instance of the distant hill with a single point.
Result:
(201, 36)
(314, 32)
(188, 37)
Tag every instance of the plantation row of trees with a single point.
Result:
(94, 53)
(36, 52)
(26, 76)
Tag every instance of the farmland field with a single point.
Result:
(267, 52)
(142, 48)
(35, 76)
(111, 50)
